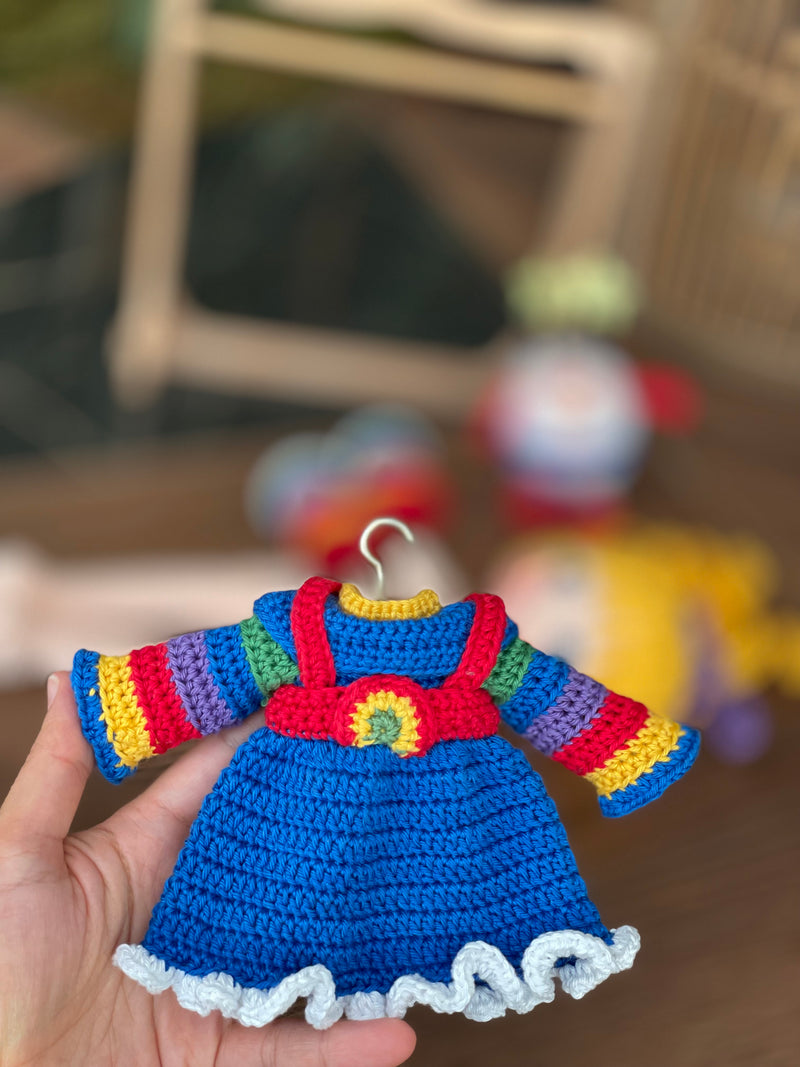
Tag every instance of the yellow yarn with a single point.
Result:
(417, 607)
(652, 744)
(403, 710)
(125, 726)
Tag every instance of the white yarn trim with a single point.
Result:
(502, 989)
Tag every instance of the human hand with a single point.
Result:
(67, 900)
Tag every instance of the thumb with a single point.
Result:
(42, 802)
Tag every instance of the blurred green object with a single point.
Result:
(79, 61)
(588, 292)
(61, 58)
(44, 36)
(131, 28)
(131, 23)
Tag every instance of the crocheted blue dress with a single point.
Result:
(376, 844)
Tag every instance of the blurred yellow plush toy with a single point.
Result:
(680, 616)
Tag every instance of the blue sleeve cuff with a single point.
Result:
(86, 686)
(652, 783)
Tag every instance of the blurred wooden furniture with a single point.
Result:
(594, 72)
(718, 243)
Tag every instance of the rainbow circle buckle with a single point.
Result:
(387, 710)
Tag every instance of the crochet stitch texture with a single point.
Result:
(376, 844)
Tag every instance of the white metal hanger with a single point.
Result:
(367, 553)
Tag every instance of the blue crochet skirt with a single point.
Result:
(364, 883)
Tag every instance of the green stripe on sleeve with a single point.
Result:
(270, 665)
(508, 672)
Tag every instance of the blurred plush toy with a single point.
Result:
(568, 417)
(681, 617)
(314, 493)
(375, 843)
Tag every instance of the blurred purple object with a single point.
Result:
(741, 732)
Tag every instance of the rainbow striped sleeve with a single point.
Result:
(629, 755)
(142, 704)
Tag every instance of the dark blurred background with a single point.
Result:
(223, 225)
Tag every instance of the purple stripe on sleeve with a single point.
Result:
(188, 660)
(578, 703)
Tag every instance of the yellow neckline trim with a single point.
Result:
(417, 607)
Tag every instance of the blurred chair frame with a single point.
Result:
(160, 336)
(716, 240)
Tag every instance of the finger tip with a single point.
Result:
(62, 726)
(59, 688)
(374, 1043)
(53, 683)
(405, 1038)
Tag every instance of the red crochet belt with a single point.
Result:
(382, 709)
(385, 709)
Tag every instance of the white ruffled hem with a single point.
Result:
(501, 988)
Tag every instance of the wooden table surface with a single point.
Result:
(710, 875)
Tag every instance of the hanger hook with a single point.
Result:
(367, 553)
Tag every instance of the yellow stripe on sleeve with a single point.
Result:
(652, 744)
(125, 726)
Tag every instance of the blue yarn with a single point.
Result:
(429, 649)
(86, 686)
(541, 685)
(652, 783)
(273, 610)
(231, 671)
(311, 852)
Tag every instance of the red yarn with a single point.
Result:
(318, 709)
(158, 700)
(614, 726)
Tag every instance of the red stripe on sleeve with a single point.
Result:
(158, 700)
(614, 726)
